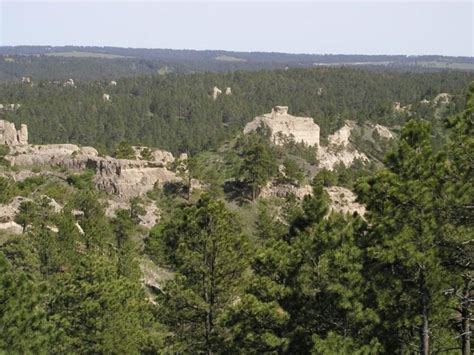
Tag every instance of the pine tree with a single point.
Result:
(24, 324)
(99, 310)
(207, 251)
(404, 263)
(258, 163)
(455, 173)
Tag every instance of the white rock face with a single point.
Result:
(228, 91)
(283, 190)
(9, 211)
(148, 220)
(341, 136)
(216, 92)
(106, 97)
(344, 200)
(9, 107)
(397, 107)
(339, 150)
(162, 157)
(11, 227)
(49, 154)
(383, 131)
(443, 98)
(23, 135)
(69, 82)
(128, 178)
(280, 123)
(113, 83)
(10, 136)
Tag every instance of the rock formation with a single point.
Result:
(122, 177)
(49, 154)
(113, 83)
(339, 150)
(443, 98)
(106, 97)
(228, 91)
(10, 136)
(397, 107)
(284, 126)
(9, 107)
(383, 131)
(273, 189)
(344, 200)
(69, 82)
(128, 178)
(148, 220)
(216, 92)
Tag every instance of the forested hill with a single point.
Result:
(90, 63)
(177, 112)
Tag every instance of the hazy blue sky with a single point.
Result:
(354, 27)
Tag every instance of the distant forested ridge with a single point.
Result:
(90, 63)
(177, 112)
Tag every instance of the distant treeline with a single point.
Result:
(44, 62)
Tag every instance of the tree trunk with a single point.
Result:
(466, 319)
(424, 329)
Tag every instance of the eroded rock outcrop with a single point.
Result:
(344, 200)
(443, 98)
(383, 131)
(340, 149)
(10, 136)
(148, 220)
(216, 92)
(49, 154)
(128, 178)
(272, 189)
(284, 126)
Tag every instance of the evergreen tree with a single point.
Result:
(205, 247)
(454, 203)
(24, 325)
(404, 264)
(258, 163)
(100, 311)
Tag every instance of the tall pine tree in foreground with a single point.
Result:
(409, 244)
(204, 245)
(456, 211)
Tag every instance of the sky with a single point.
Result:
(318, 27)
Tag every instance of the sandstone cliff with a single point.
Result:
(282, 124)
(122, 177)
(10, 136)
